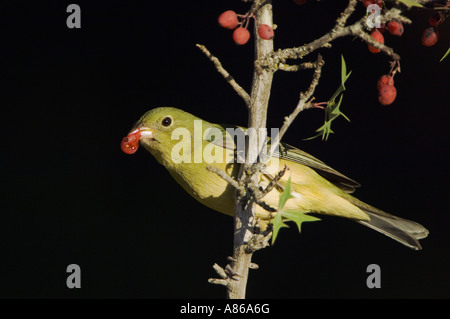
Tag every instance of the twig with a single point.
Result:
(265, 206)
(274, 181)
(239, 90)
(342, 20)
(296, 67)
(357, 29)
(302, 105)
(226, 177)
(223, 280)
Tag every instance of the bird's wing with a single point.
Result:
(291, 153)
(232, 134)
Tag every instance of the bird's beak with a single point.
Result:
(130, 143)
(145, 133)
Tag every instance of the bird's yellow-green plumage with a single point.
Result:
(316, 187)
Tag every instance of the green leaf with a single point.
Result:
(285, 195)
(277, 223)
(410, 3)
(343, 70)
(332, 111)
(297, 217)
(445, 55)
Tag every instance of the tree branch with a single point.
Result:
(226, 177)
(296, 67)
(244, 214)
(357, 29)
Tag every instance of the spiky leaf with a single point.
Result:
(445, 55)
(277, 223)
(332, 110)
(297, 217)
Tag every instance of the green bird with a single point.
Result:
(185, 145)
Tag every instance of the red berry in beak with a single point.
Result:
(130, 143)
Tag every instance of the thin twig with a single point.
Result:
(342, 20)
(274, 181)
(296, 67)
(265, 206)
(239, 90)
(225, 176)
(220, 271)
(223, 280)
(302, 105)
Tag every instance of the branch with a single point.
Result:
(225, 177)
(274, 182)
(239, 90)
(296, 67)
(301, 105)
(244, 211)
(256, 195)
(272, 60)
(342, 20)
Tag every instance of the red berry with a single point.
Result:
(367, 3)
(241, 36)
(395, 28)
(385, 80)
(377, 36)
(387, 94)
(130, 143)
(300, 2)
(436, 19)
(228, 20)
(265, 32)
(382, 28)
(430, 36)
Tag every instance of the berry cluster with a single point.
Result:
(239, 23)
(394, 27)
(385, 85)
(431, 34)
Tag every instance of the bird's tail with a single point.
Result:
(402, 230)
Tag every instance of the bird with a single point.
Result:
(186, 145)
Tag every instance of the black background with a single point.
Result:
(71, 196)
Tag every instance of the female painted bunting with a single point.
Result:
(185, 145)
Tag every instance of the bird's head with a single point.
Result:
(154, 131)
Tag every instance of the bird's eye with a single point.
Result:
(166, 121)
